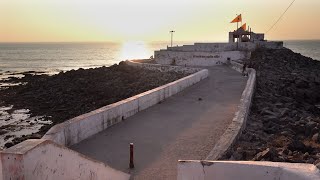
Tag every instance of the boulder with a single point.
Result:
(268, 154)
(296, 145)
(315, 138)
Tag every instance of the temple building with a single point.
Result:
(241, 43)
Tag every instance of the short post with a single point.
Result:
(131, 165)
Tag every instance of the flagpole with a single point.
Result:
(238, 34)
(237, 21)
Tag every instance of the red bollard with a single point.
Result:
(131, 165)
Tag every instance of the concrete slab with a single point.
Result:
(185, 126)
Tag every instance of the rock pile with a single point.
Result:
(284, 124)
(72, 93)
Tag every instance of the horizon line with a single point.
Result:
(120, 42)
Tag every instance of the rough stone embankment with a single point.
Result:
(72, 93)
(284, 124)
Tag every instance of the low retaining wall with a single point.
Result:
(164, 68)
(40, 159)
(236, 66)
(234, 170)
(238, 123)
(81, 127)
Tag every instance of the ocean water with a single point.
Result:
(55, 57)
(309, 48)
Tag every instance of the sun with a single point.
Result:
(134, 50)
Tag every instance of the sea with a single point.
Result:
(56, 57)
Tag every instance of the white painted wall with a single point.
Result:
(40, 159)
(245, 170)
(164, 68)
(219, 47)
(205, 47)
(81, 127)
(198, 58)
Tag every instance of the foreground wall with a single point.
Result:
(81, 127)
(246, 170)
(198, 58)
(36, 159)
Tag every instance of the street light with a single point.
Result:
(171, 36)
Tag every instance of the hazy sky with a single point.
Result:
(151, 20)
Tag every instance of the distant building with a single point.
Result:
(240, 45)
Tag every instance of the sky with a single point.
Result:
(151, 20)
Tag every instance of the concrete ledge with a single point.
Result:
(164, 68)
(234, 170)
(238, 123)
(37, 159)
(236, 66)
(81, 127)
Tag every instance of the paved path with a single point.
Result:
(182, 127)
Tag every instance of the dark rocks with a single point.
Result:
(284, 122)
(296, 145)
(9, 144)
(269, 153)
(315, 138)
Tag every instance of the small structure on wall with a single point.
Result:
(245, 36)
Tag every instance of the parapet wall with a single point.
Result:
(238, 123)
(164, 68)
(219, 47)
(37, 159)
(81, 127)
(234, 170)
(183, 58)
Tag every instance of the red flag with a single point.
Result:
(244, 26)
(237, 19)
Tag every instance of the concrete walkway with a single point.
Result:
(182, 127)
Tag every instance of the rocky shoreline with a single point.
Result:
(284, 122)
(68, 94)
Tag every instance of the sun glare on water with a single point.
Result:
(135, 50)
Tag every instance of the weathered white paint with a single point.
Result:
(183, 58)
(235, 170)
(164, 68)
(219, 47)
(37, 159)
(238, 123)
(81, 127)
(236, 66)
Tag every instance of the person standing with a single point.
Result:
(244, 69)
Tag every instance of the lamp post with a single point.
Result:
(171, 36)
